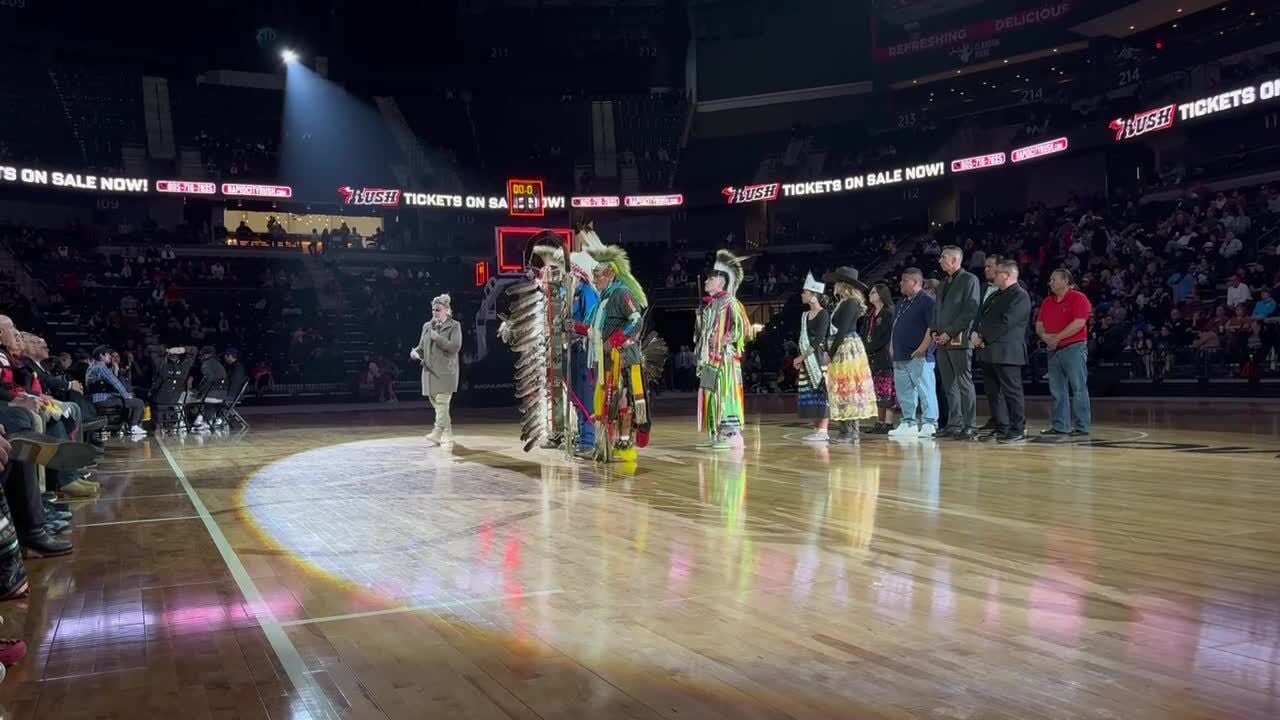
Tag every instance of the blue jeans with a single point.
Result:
(916, 385)
(585, 390)
(1069, 385)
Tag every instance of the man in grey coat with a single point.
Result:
(953, 316)
(438, 350)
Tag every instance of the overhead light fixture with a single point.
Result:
(957, 72)
(288, 55)
(1130, 27)
(1055, 49)
(1006, 62)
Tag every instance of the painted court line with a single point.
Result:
(414, 608)
(134, 522)
(286, 652)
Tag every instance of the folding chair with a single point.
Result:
(230, 410)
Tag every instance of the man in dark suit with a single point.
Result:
(1000, 337)
(953, 317)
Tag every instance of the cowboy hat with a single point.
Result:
(845, 274)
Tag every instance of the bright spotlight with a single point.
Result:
(288, 55)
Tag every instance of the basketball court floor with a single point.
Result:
(335, 565)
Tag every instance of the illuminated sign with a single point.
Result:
(876, 178)
(75, 181)
(751, 193)
(596, 201)
(257, 191)
(369, 196)
(1160, 118)
(977, 162)
(186, 187)
(470, 202)
(1229, 100)
(643, 201)
(1031, 152)
(525, 198)
(482, 272)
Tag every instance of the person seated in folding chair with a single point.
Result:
(237, 384)
(108, 393)
(210, 394)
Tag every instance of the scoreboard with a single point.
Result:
(526, 198)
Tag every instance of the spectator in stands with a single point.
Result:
(1265, 307)
(954, 313)
(1237, 292)
(263, 377)
(1206, 347)
(1062, 324)
(107, 392)
(1182, 283)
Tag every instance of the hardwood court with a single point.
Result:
(310, 570)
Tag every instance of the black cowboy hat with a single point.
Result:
(846, 274)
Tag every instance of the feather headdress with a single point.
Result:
(615, 259)
(581, 262)
(731, 265)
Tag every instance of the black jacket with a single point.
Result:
(1002, 324)
(879, 338)
(956, 308)
(52, 385)
(213, 379)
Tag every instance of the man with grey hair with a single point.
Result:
(953, 317)
(1000, 339)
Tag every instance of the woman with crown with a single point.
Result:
(812, 360)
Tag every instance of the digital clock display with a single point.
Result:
(525, 198)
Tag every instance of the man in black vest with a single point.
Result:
(953, 317)
(1000, 337)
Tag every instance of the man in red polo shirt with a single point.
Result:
(1063, 326)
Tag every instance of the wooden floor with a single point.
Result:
(333, 565)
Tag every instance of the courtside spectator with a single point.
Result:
(107, 391)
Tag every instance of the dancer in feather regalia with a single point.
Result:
(535, 330)
(621, 360)
(723, 330)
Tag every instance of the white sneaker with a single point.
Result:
(817, 437)
(137, 430)
(435, 435)
(927, 430)
(903, 431)
(447, 437)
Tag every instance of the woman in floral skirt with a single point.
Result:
(851, 392)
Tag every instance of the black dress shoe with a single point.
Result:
(1015, 436)
(39, 449)
(965, 435)
(1078, 433)
(1051, 431)
(944, 434)
(990, 436)
(45, 545)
